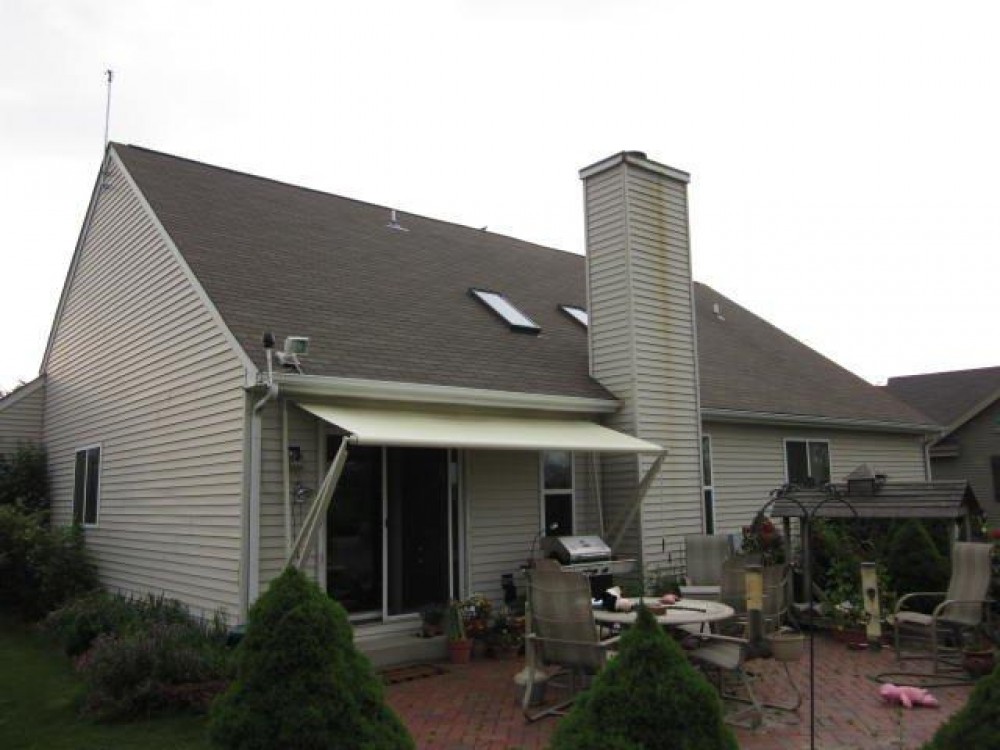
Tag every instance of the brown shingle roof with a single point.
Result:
(748, 364)
(377, 303)
(389, 305)
(947, 396)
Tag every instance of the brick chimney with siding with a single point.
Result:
(642, 345)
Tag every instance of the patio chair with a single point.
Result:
(965, 605)
(705, 555)
(724, 658)
(561, 633)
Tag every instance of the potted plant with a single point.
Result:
(504, 637)
(459, 645)
(978, 653)
(432, 620)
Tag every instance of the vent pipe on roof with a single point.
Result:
(394, 224)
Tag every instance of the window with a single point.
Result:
(706, 481)
(502, 306)
(557, 492)
(807, 462)
(87, 486)
(576, 313)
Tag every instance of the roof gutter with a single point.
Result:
(844, 423)
(420, 393)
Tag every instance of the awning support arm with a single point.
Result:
(317, 511)
(640, 495)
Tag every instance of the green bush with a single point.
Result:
(647, 697)
(24, 480)
(78, 623)
(977, 724)
(40, 568)
(301, 683)
(915, 563)
(137, 672)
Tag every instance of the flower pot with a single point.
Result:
(849, 636)
(459, 652)
(787, 646)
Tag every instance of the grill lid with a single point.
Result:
(575, 549)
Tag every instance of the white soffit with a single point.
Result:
(429, 428)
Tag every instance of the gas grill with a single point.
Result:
(589, 555)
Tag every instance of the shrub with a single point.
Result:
(139, 671)
(977, 724)
(77, 624)
(40, 568)
(24, 480)
(915, 563)
(648, 696)
(301, 683)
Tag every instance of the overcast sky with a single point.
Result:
(845, 157)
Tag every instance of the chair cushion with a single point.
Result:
(906, 617)
(719, 654)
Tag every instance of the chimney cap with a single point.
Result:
(636, 159)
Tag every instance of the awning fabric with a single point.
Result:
(439, 428)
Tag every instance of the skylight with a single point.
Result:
(502, 306)
(577, 313)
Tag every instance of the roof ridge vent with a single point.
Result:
(394, 223)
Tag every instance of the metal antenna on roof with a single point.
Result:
(107, 108)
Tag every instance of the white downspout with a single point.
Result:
(253, 506)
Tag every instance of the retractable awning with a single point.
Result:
(440, 428)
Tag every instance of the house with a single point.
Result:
(460, 392)
(967, 403)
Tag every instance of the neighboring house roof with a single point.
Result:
(384, 304)
(950, 398)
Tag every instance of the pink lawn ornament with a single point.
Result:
(907, 696)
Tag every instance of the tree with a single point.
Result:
(24, 479)
(647, 697)
(301, 683)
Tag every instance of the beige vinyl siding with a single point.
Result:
(502, 496)
(643, 350)
(302, 431)
(978, 439)
(666, 377)
(748, 461)
(138, 365)
(21, 417)
(609, 302)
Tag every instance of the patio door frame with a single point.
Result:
(455, 529)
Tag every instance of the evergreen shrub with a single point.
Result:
(915, 564)
(977, 724)
(647, 697)
(301, 683)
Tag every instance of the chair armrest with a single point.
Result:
(721, 638)
(939, 609)
(899, 603)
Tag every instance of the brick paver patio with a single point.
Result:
(477, 707)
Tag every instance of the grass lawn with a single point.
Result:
(39, 694)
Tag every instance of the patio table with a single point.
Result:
(684, 612)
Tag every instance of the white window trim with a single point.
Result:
(710, 486)
(784, 453)
(544, 493)
(100, 474)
